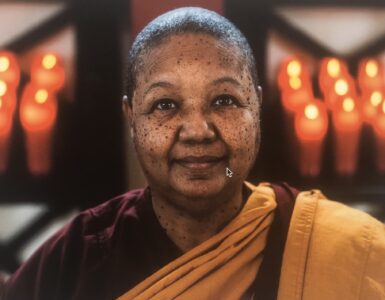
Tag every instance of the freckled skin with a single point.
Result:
(193, 114)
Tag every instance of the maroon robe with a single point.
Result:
(107, 250)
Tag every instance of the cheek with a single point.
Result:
(240, 134)
(153, 141)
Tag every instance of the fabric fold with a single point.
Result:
(224, 266)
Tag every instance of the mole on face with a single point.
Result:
(194, 114)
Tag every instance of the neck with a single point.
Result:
(188, 230)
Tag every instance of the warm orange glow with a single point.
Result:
(9, 70)
(47, 72)
(311, 112)
(348, 105)
(41, 96)
(311, 121)
(38, 109)
(376, 98)
(49, 61)
(3, 88)
(38, 113)
(294, 68)
(4, 63)
(341, 87)
(295, 83)
(1, 103)
(383, 107)
(371, 68)
(333, 67)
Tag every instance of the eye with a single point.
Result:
(164, 104)
(225, 100)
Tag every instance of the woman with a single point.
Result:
(199, 230)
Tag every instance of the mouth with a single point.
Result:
(200, 162)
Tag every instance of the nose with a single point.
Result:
(196, 128)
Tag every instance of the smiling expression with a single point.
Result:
(194, 113)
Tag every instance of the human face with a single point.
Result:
(195, 113)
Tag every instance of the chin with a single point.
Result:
(200, 189)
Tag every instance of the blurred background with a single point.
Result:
(64, 145)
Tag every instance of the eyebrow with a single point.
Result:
(167, 84)
(164, 84)
(226, 79)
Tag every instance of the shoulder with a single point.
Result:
(336, 219)
(345, 220)
(107, 215)
(346, 249)
(80, 246)
(334, 251)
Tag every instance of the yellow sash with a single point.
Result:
(224, 266)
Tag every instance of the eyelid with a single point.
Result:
(156, 102)
(233, 98)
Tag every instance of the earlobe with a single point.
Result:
(127, 109)
(259, 93)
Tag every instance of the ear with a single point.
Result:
(259, 94)
(127, 110)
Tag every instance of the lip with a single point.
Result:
(199, 162)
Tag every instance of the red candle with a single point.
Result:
(38, 112)
(342, 87)
(311, 124)
(331, 70)
(47, 71)
(370, 75)
(295, 85)
(371, 100)
(347, 122)
(9, 70)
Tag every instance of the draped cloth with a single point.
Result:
(222, 267)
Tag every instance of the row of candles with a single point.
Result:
(36, 110)
(349, 103)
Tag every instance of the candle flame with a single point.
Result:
(341, 87)
(295, 83)
(348, 105)
(376, 98)
(49, 61)
(333, 67)
(311, 112)
(294, 68)
(41, 96)
(4, 63)
(371, 68)
(3, 88)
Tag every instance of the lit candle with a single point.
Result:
(311, 124)
(47, 71)
(38, 112)
(9, 70)
(331, 70)
(370, 75)
(294, 82)
(347, 123)
(370, 103)
(341, 88)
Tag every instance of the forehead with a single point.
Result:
(190, 47)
